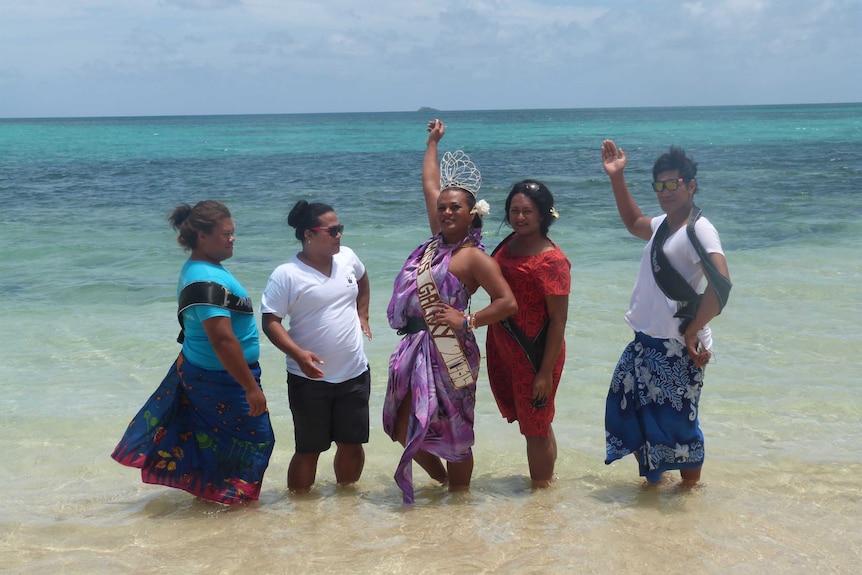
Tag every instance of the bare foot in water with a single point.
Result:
(541, 483)
(688, 485)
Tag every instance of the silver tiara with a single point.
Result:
(457, 170)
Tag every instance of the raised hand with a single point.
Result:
(436, 129)
(613, 158)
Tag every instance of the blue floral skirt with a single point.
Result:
(652, 407)
(194, 433)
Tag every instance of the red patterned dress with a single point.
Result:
(509, 370)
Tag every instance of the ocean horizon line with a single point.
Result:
(91, 255)
(422, 110)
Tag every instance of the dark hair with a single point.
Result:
(305, 216)
(540, 195)
(203, 217)
(675, 159)
(471, 203)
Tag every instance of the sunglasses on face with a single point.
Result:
(669, 185)
(332, 230)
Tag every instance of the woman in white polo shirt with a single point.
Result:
(324, 291)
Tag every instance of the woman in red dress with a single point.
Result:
(526, 352)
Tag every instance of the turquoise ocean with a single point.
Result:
(88, 268)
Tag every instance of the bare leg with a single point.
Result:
(690, 477)
(301, 472)
(430, 463)
(349, 462)
(541, 456)
(459, 474)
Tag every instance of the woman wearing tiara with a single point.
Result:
(432, 373)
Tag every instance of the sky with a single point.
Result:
(62, 58)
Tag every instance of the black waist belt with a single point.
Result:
(414, 325)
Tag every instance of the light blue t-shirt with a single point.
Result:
(196, 346)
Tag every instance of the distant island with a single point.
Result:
(427, 109)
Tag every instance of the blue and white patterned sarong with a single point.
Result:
(652, 407)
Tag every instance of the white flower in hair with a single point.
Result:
(457, 170)
(482, 208)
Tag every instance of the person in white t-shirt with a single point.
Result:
(653, 402)
(324, 291)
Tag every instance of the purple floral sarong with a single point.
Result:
(441, 417)
(194, 433)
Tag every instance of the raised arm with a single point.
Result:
(614, 162)
(431, 173)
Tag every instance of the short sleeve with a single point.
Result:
(276, 296)
(555, 274)
(708, 236)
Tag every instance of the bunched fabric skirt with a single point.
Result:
(441, 417)
(194, 433)
(652, 407)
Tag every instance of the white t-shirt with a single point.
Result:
(322, 312)
(650, 311)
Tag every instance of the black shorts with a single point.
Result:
(325, 412)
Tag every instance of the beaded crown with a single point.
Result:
(457, 170)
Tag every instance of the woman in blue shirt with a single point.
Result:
(206, 429)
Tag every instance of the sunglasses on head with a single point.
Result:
(332, 230)
(669, 185)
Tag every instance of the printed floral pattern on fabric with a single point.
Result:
(441, 419)
(510, 373)
(652, 407)
(194, 433)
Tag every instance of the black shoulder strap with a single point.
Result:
(503, 242)
(209, 293)
(670, 281)
(719, 282)
(533, 348)
(673, 284)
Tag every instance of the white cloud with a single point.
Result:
(202, 4)
(249, 56)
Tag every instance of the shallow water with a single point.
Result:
(89, 265)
